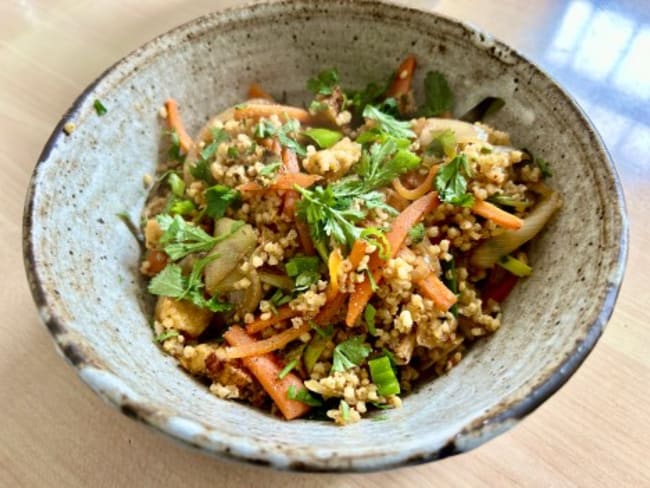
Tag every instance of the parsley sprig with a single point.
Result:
(350, 353)
(389, 124)
(284, 134)
(451, 182)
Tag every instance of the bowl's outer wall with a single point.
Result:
(82, 262)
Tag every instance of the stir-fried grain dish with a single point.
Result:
(318, 262)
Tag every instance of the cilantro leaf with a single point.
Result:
(219, 198)
(266, 129)
(439, 97)
(416, 233)
(303, 396)
(389, 124)
(371, 94)
(100, 109)
(305, 270)
(169, 282)
(201, 169)
(323, 83)
(349, 354)
(452, 185)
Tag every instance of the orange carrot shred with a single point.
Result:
(418, 191)
(284, 313)
(277, 341)
(497, 215)
(176, 123)
(266, 369)
(402, 82)
(256, 91)
(433, 288)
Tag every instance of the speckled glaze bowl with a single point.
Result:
(82, 262)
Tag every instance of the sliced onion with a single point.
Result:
(463, 131)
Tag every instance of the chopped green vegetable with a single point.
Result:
(438, 96)
(270, 169)
(544, 167)
(324, 83)
(375, 135)
(266, 129)
(383, 376)
(170, 282)
(305, 270)
(389, 124)
(508, 201)
(176, 184)
(314, 349)
(452, 185)
(201, 169)
(316, 106)
(99, 108)
(322, 331)
(285, 371)
(174, 152)
(324, 137)
(168, 334)
(377, 238)
(181, 207)
(218, 199)
(416, 233)
(443, 144)
(369, 316)
(515, 266)
(303, 396)
(371, 278)
(371, 94)
(345, 410)
(278, 298)
(349, 354)
(232, 152)
(486, 150)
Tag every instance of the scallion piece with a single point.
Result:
(323, 137)
(369, 315)
(99, 108)
(515, 266)
(285, 371)
(383, 376)
(176, 184)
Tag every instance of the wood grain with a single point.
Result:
(56, 432)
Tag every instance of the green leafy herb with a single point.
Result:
(443, 144)
(349, 354)
(438, 96)
(486, 150)
(383, 375)
(315, 106)
(323, 137)
(219, 198)
(371, 94)
(375, 135)
(369, 316)
(278, 298)
(99, 108)
(170, 282)
(305, 270)
(176, 184)
(515, 266)
(181, 207)
(322, 331)
(452, 184)
(270, 169)
(389, 124)
(232, 152)
(544, 167)
(181, 238)
(174, 152)
(303, 396)
(168, 334)
(266, 129)
(345, 410)
(324, 83)
(201, 169)
(285, 371)
(416, 233)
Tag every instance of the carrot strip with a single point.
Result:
(304, 236)
(284, 313)
(285, 181)
(497, 215)
(334, 265)
(258, 110)
(433, 288)
(330, 310)
(419, 190)
(402, 82)
(410, 216)
(176, 123)
(277, 341)
(256, 91)
(266, 369)
(290, 161)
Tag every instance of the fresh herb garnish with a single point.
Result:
(181, 238)
(369, 316)
(232, 152)
(174, 152)
(323, 83)
(438, 96)
(270, 169)
(168, 334)
(544, 167)
(323, 137)
(371, 94)
(170, 282)
(201, 169)
(176, 184)
(99, 108)
(303, 396)
(266, 129)
(452, 184)
(383, 375)
(443, 144)
(389, 124)
(305, 270)
(219, 198)
(349, 354)
(289, 366)
(181, 207)
(416, 233)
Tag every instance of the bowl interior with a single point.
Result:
(83, 262)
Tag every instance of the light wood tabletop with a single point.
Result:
(56, 432)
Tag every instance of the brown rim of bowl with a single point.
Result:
(472, 435)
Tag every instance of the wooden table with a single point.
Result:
(56, 432)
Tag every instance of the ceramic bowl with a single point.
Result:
(82, 262)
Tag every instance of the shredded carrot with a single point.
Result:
(334, 265)
(256, 91)
(304, 236)
(418, 191)
(331, 309)
(410, 216)
(284, 313)
(176, 123)
(433, 288)
(402, 82)
(156, 260)
(284, 181)
(497, 215)
(258, 110)
(357, 253)
(266, 369)
(277, 341)
(290, 161)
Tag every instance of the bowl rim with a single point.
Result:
(475, 433)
